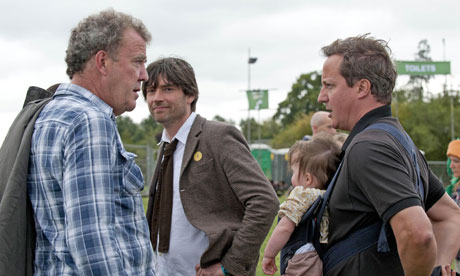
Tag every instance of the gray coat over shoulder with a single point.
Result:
(17, 227)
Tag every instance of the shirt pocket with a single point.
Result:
(132, 174)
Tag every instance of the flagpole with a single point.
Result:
(258, 122)
(251, 60)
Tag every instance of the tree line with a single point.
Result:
(425, 115)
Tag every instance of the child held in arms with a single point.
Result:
(313, 164)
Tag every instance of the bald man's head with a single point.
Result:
(320, 121)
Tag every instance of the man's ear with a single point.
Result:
(190, 99)
(101, 59)
(314, 128)
(364, 88)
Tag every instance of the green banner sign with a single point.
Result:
(423, 67)
(258, 99)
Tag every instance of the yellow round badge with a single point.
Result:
(197, 156)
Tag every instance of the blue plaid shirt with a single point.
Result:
(84, 187)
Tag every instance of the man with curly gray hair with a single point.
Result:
(83, 185)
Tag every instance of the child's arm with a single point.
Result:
(278, 240)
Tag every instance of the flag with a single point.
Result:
(252, 60)
(258, 99)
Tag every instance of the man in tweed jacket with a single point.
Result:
(223, 205)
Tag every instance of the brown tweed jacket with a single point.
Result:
(225, 194)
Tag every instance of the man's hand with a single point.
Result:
(213, 270)
(269, 266)
(447, 271)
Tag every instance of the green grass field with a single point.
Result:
(259, 265)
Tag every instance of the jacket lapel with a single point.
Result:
(192, 141)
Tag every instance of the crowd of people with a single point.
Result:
(70, 192)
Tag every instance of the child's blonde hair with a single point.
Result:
(319, 156)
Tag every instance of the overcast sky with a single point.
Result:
(214, 36)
